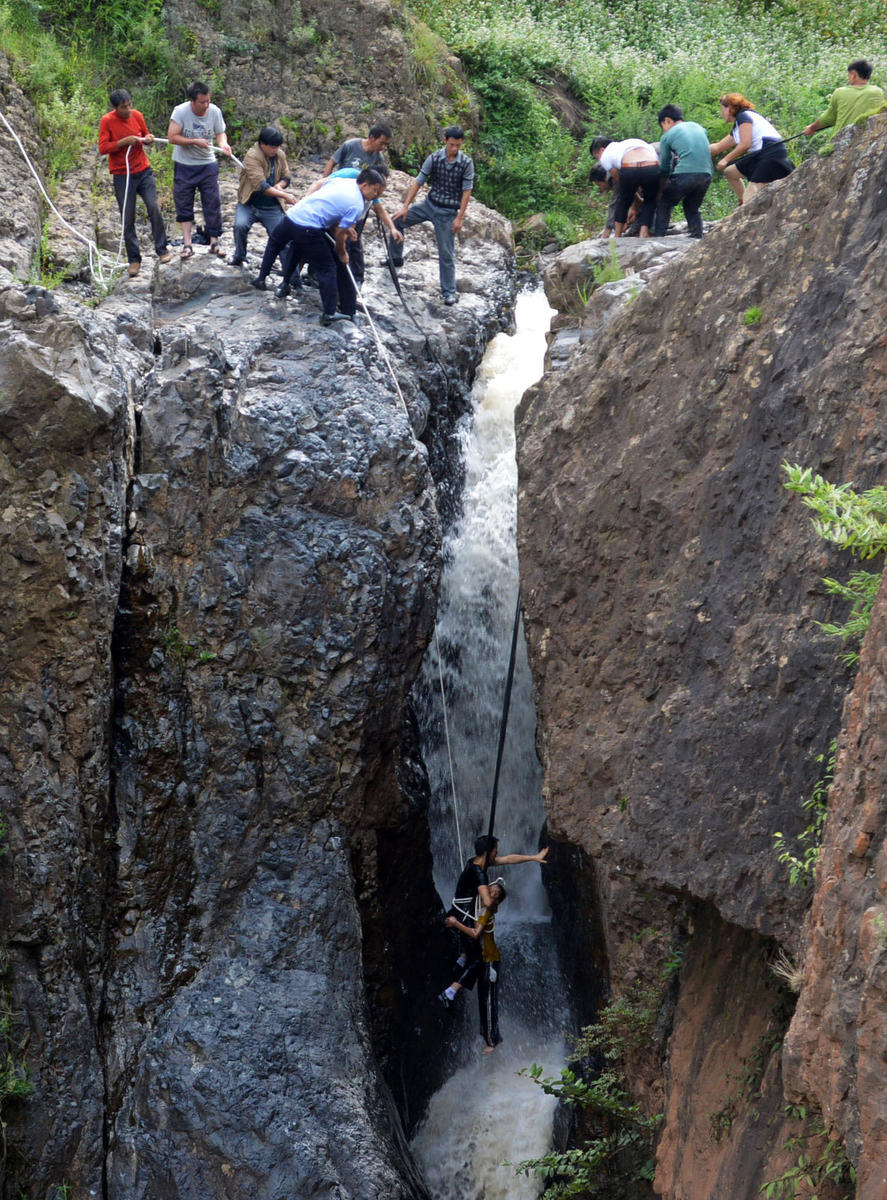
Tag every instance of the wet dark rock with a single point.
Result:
(220, 551)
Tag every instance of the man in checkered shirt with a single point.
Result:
(451, 175)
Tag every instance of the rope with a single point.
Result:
(94, 254)
(443, 701)
(158, 141)
(98, 260)
(396, 280)
(123, 211)
(503, 725)
(443, 697)
(774, 142)
(383, 352)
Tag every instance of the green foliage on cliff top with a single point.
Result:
(622, 63)
(67, 56)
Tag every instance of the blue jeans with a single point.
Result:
(688, 189)
(442, 220)
(244, 219)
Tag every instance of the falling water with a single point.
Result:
(487, 1115)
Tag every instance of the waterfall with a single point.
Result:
(486, 1114)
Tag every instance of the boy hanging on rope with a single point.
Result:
(487, 971)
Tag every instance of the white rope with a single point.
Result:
(443, 697)
(382, 351)
(95, 255)
(158, 141)
(123, 210)
(443, 701)
(98, 260)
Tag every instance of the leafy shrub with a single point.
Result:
(618, 1155)
(856, 522)
(802, 866)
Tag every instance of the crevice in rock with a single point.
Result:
(120, 638)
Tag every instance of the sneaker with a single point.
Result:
(165, 257)
(282, 292)
(258, 282)
(451, 299)
(329, 319)
(134, 269)
(309, 279)
(236, 262)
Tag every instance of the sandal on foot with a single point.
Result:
(216, 249)
(187, 252)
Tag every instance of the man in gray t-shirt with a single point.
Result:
(358, 154)
(192, 128)
(362, 152)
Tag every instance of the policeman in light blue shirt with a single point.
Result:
(307, 228)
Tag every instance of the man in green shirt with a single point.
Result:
(685, 167)
(860, 99)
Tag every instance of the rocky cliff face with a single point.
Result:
(672, 591)
(837, 1044)
(325, 71)
(220, 548)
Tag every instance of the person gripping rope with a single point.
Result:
(120, 130)
(261, 192)
(685, 167)
(192, 127)
(488, 971)
(359, 153)
(633, 167)
(473, 896)
(858, 100)
(450, 174)
(308, 230)
(756, 146)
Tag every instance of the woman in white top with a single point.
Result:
(753, 145)
(633, 166)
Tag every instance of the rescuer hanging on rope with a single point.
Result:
(473, 896)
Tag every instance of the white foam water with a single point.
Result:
(486, 1114)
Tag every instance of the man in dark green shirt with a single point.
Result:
(685, 166)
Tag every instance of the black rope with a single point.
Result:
(766, 146)
(503, 725)
(396, 280)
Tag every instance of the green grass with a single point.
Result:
(623, 63)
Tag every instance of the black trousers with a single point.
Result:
(488, 1002)
(689, 190)
(141, 184)
(312, 246)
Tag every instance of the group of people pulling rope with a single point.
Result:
(650, 178)
(321, 229)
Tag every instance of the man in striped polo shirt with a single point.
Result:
(451, 176)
